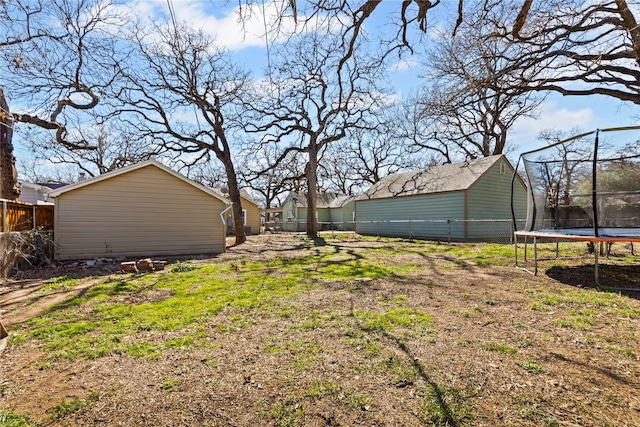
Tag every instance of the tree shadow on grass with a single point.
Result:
(623, 279)
(447, 413)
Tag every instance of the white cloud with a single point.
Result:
(404, 64)
(234, 28)
(524, 133)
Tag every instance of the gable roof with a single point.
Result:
(446, 178)
(244, 195)
(324, 199)
(131, 168)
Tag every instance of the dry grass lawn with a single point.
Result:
(341, 331)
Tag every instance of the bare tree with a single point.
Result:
(317, 99)
(113, 146)
(9, 188)
(181, 91)
(355, 163)
(62, 63)
(568, 164)
(469, 96)
(53, 55)
(421, 132)
(583, 48)
(272, 184)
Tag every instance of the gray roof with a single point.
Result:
(224, 192)
(326, 199)
(445, 178)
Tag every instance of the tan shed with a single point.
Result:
(145, 209)
(251, 217)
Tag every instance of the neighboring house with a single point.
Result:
(444, 202)
(333, 211)
(251, 213)
(36, 194)
(146, 209)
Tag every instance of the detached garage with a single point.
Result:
(145, 209)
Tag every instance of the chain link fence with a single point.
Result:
(446, 230)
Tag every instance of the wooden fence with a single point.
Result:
(19, 216)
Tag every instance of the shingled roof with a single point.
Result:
(440, 179)
(324, 199)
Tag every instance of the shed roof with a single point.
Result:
(446, 178)
(244, 194)
(35, 186)
(131, 168)
(324, 199)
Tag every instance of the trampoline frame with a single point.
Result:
(560, 235)
(565, 234)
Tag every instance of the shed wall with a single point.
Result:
(347, 216)
(145, 212)
(490, 198)
(290, 216)
(253, 216)
(377, 216)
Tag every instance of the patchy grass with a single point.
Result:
(530, 366)
(342, 331)
(60, 284)
(500, 348)
(10, 419)
(446, 406)
(67, 407)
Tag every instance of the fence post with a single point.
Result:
(449, 230)
(33, 216)
(4, 215)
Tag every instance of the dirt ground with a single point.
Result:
(586, 379)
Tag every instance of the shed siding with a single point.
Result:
(490, 198)
(347, 216)
(300, 223)
(336, 215)
(145, 212)
(253, 216)
(323, 214)
(290, 216)
(342, 217)
(375, 217)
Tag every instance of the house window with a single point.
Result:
(244, 217)
(503, 168)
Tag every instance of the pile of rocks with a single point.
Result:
(142, 265)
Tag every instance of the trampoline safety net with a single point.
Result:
(591, 181)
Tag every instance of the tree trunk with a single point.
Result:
(234, 195)
(8, 175)
(312, 182)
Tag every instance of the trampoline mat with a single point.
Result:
(586, 234)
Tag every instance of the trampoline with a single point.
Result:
(582, 190)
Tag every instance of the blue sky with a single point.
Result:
(220, 18)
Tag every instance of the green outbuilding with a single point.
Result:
(467, 201)
(334, 211)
